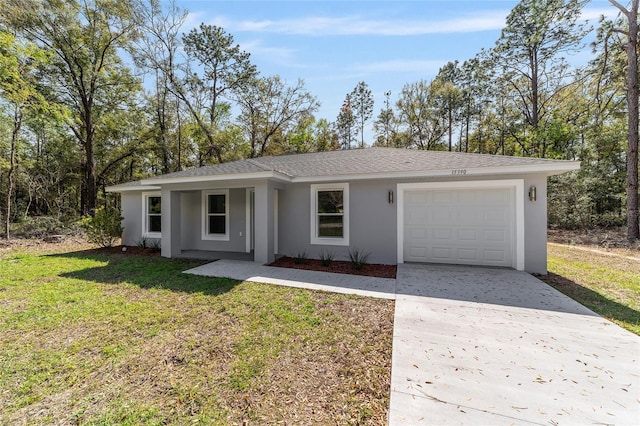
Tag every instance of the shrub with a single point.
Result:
(358, 258)
(155, 245)
(104, 228)
(326, 258)
(300, 258)
(38, 227)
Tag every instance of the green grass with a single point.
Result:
(104, 339)
(607, 284)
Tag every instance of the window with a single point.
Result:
(330, 214)
(152, 214)
(215, 225)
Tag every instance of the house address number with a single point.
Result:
(459, 171)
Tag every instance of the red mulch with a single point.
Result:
(339, 267)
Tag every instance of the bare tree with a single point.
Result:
(271, 108)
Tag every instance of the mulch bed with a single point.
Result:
(339, 267)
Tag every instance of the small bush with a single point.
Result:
(38, 227)
(358, 258)
(142, 243)
(326, 258)
(155, 245)
(104, 228)
(300, 258)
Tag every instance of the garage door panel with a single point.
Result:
(439, 197)
(441, 234)
(417, 252)
(465, 215)
(497, 256)
(468, 255)
(442, 216)
(499, 236)
(462, 226)
(467, 235)
(441, 253)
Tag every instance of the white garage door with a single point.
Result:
(460, 226)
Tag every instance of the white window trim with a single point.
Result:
(145, 214)
(344, 241)
(205, 222)
(517, 185)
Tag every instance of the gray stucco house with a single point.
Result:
(399, 205)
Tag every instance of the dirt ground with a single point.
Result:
(612, 240)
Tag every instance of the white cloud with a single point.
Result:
(353, 25)
(280, 55)
(428, 67)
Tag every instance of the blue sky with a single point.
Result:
(333, 45)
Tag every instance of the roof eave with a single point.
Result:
(217, 178)
(548, 169)
(128, 188)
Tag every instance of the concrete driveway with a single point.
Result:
(497, 346)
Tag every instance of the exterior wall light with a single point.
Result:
(390, 197)
(532, 193)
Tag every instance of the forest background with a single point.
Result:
(99, 92)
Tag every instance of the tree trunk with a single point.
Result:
(633, 227)
(534, 101)
(89, 178)
(17, 123)
(450, 125)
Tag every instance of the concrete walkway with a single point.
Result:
(487, 346)
(383, 288)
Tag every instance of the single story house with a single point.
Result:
(399, 205)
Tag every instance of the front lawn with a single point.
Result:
(606, 282)
(94, 338)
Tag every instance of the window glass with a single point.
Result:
(217, 203)
(330, 202)
(217, 224)
(216, 215)
(154, 205)
(155, 223)
(154, 214)
(330, 226)
(330, 214)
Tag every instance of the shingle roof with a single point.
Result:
(368, 162)
(360, 161)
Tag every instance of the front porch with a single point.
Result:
(225, 220)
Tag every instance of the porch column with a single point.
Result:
(264, 232)
(171, 240)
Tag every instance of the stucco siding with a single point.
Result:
(535, 230)
(191, 225)
(373, 220)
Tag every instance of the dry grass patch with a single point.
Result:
(89, 338)
(606, 282)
